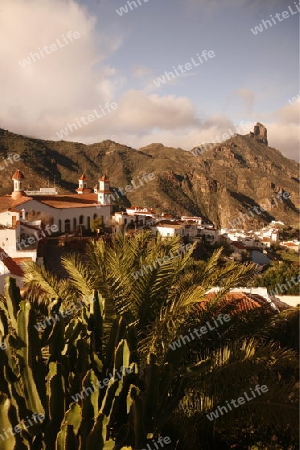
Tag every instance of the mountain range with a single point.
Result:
(218, 182)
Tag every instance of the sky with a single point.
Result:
(109, 66)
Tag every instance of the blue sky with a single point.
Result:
(117, 58)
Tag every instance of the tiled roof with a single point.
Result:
(68, 201)
(18, 175)
(83, 177)
(10, 264)
(240, 300)
(290, 244)
(7, 202)
(104, 178)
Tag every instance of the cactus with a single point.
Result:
(66, 439)
(27, 355)
(56, 403)
(13, 299)
(7, 440)
(75, 363)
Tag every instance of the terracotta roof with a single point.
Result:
(11, 265)
(18, 175)
(240, 300)
(290, 244)
(68, 201)
(7, 202)
(104, 178)
(83, 177)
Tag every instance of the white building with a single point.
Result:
(69, 212)
(123, 222)
(177, 228)
(196, 219)
(138, 210)
(211, 235)
(170, 230)
(291, 245)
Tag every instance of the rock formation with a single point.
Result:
(260, 133)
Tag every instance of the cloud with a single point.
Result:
(194, 133)
(242, 99)
(140, 71)
(289, 114)
(139, 111)
(41, 95)
(283, 130)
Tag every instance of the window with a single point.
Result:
(67, 226)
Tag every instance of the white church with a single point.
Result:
(69, 212)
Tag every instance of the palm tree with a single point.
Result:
(160, 292)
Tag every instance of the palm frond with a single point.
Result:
(38, 278)
(81, 275)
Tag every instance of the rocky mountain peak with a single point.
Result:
(260, 132)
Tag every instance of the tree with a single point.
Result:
(280, 278)
(96, 223)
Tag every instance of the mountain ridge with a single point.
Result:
(224, 181)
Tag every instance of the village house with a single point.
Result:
(210, 234)
(122, 221)
(291, 245)
(177, 228)
(192, 219)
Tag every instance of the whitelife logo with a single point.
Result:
(162, 441)
(89, 390)
(294, 100)
(241, 401)
(90, 118)
(263, 208)
(53, 47)
(284, 14)
(161, 261)
(40, 326)
(37, 236)
(202, 148)
(124, 9)
(35, 418)
(284, 287)
(198, 333)
(168, 76)
(147, 177)
(9, 160)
